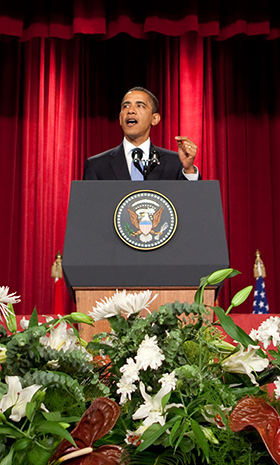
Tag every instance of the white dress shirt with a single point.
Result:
(128, 147)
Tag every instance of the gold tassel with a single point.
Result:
(57, 267)
(259, 268)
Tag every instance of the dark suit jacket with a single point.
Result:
(111, 165)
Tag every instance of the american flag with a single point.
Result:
(260, 304)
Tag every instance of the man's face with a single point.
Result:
(137, 117)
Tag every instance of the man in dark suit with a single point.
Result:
(139, 113)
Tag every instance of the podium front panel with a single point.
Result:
(95, 256)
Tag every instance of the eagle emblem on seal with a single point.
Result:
(145, 221)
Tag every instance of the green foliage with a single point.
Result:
(69, 382)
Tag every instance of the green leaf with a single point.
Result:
(241, 296)
(200, 437)
(22, 443)
(52, 416)
(38, 455)
(33, 319)
(174, 430)
(185, 428)
(9, 431)
(234, 331)
(153, 433)
(29, 410)
(164, 400)
(51, 427)
(11, 320)
(8, 460)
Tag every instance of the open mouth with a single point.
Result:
(131, 122)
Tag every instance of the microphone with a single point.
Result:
(153, 161)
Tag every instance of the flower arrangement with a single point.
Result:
(186, 396)
(178, 382)
(47, 381)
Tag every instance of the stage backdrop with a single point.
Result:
(59, 104)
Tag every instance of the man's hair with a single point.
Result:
(152, 97)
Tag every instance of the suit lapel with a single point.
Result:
(118, 163)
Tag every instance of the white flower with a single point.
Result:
(269, 331)
(245, 362)
(133, 437)
(169, 380)
(17, 397)
(24, 323)
(277, 387)
(3, 355)
(152, 410)
(126, 387)
(6, 299)
(254, 334)
(149, 354)
(105, 309)
(121, 301)
(63, 338)
(134, 303)
(211, 414)
(130, 370)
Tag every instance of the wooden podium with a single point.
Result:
(86, 299)
(97, 260)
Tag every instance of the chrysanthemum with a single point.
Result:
(6, 299)
(269, 331)
(169, 380)
(149, 354)
(130, 370)
(134, 302)
(121, 302)
(126, 388)
(105, 309)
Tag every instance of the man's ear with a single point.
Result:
(156, 119)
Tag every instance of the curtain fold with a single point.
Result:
(107, 18)
(59, 104)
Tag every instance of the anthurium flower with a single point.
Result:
(245, 362)
(257, 413)
(17, 397)
(6, 299)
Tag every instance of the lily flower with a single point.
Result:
(152, 409)
(245, 362)
(6, 299)
(62, 338)
(3, 355)
(17, 397)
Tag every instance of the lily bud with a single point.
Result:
(219, 276)
(80, 317)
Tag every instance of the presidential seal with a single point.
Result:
(145, 219)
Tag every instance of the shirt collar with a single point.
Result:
(128, 147)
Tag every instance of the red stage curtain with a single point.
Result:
(107, 18)
(59, 103)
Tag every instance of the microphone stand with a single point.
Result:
(148, 165)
